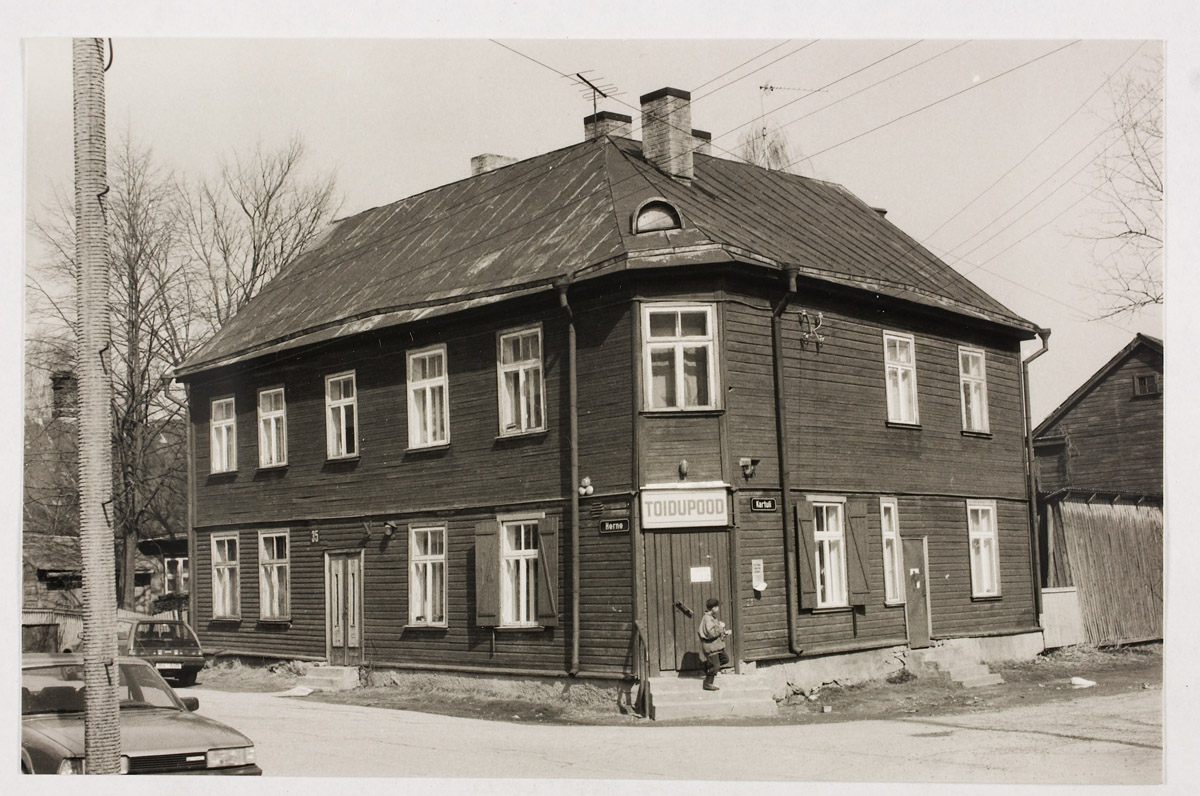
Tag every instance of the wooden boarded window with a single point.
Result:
(900, 364)
(972, 378)
(223, 424)
(857, 552)
(516, 572)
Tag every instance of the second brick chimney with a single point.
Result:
(667, 131)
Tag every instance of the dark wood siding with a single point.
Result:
(605, 588)
(1112, 439)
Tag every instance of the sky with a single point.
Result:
(395, 117)
(397, 101)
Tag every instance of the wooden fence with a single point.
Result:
(1115, 552)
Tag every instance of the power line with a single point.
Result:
(743, 63)
(971, 87)
(756, 71)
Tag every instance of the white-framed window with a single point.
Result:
(893, 555)
(273, 586)
(341, 416)
(427, 576)
(518, 573)
(680, 357)
(224, 436)
(972, 377)
(175, 575)
(519, 372)
(829, 533)
(900, 359)
(272, 428)
(982, 538)
(428, 398)
(225, 576)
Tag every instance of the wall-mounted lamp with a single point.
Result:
(389, 528)
(585, 486)
(748, 466)
(683, 468)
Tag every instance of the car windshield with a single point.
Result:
(59, 688)
(175, 635)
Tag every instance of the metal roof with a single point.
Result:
(567, 214)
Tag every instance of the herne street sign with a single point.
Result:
(614, 526)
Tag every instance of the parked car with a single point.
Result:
(169, 644)
(160, 733)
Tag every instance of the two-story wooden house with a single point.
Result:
(1099, 459)
(528, 422)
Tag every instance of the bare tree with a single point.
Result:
(255, 217)
(1127, 241)
(184, 258)
(768, 146)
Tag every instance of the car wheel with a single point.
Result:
(187, 679)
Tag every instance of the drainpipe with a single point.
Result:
(785, 482)
(573, 402)
(1030, 475)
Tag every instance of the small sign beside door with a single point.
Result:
(701, 574)
(614, 526)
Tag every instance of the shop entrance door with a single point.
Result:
(916, 592)
(684, 568)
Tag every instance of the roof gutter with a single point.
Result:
(1031, 475)
(785, 466)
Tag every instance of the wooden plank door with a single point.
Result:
(343, 608)
(685, 569)
(916, 591)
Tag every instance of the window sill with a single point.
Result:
(985, 598)
(438, 448)
(271, 467)
(518, 628)
(340, 459)
(834, 609)
(534, 432)
(977, 434)
(276, 622)
(425, 627)
(682, 412)
(898, 424)
(222, 473)
(226, 620)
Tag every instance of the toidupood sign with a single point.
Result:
(684, 508)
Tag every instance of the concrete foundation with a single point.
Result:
(788, 677)
(1022, 646)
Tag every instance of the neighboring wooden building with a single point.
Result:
(1099, 462)
(530, 421)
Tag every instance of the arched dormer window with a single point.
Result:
(656, 215)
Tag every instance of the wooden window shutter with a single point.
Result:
(487, 573)
(806, 550)
(858, 552)
(547, 598)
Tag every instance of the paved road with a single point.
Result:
(1113, 739)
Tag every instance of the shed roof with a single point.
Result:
(567, 215)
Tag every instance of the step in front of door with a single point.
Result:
(685, 698)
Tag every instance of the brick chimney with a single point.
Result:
(607, 123)
(482, 163)
(703, 141)
(667, 131)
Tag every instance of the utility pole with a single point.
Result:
(102, 729)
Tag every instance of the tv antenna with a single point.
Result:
(596, 87)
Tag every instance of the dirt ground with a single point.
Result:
(1043, 679)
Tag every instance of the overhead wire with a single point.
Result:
(743, 63)
(373, 242)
